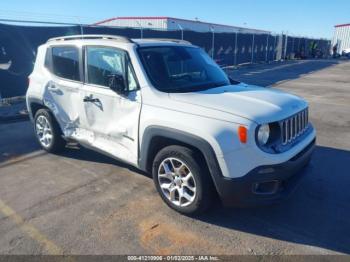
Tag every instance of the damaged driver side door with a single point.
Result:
(111, 116)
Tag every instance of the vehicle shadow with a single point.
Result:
(78, 152)
(270, 74)
(317, 214)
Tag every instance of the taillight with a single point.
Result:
(243, 134)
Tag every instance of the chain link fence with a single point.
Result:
(18, 46)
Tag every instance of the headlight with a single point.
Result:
(263, 134)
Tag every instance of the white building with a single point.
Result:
(341, 37)
(169, 23)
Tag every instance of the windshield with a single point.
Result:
(181, 69)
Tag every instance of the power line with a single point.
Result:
(49, 17)
(36, 22)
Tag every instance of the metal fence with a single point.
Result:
(18, 45)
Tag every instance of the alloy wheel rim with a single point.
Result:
(44, 131)
(177, 182)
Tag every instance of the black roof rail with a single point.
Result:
(179, 41)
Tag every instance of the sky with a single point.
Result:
(312, 18)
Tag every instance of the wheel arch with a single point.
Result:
(156, 137)
(34, 105)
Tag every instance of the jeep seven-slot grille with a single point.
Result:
(294, 126)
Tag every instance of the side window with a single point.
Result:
(65, 62)
(102, 62)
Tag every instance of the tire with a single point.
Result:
(44, 120)
(188, 167)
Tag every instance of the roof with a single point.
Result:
(172, 18)
(342, 25)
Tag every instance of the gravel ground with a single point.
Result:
(81, 202)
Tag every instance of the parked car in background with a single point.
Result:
(165, 107)
(346, 52)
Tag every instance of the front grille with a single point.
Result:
(294, 126)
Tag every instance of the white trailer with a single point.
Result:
(341, 38)
(170, 23)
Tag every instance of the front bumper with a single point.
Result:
(265, 184)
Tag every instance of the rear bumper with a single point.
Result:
(265, 184)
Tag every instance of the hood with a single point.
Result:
(262, 105)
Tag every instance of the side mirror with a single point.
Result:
(116, 83)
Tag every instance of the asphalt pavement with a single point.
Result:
(81, 202)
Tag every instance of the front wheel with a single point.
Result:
(182, 180)
(48, 132)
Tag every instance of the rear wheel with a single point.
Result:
(48, 132)
(182, 180)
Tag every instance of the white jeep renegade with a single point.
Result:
(165, 107)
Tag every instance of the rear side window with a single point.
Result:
(65, 62)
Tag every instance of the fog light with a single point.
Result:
(266, 188)
(266, 170)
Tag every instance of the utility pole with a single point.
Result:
(80, 25)
(267, 47)
(253, 49)
(141, 28)
(213, 41)
(286, 45)
(236, 49)
(274, 48)
(293, 49)
(181, 28)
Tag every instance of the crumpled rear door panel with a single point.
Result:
(63, 98)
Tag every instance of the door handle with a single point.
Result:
(86, 99)
(53, 87)
(90, 99)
